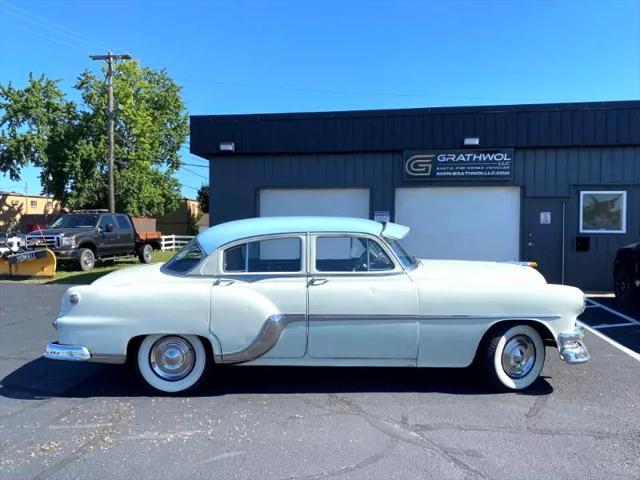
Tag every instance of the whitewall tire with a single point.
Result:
(514, 357)
(172, 363)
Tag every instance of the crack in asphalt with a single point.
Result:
(402, 432)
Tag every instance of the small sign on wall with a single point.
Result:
(381, 216)
(545, 218)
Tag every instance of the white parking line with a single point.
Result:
(613, 325)
(615, 312)
(622, 348)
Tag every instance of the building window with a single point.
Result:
(49, 205)
(603, 212)
(33, 203)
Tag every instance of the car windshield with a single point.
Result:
(77, 220)
(408, 261)
(186, 258)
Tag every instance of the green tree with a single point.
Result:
(203, 198)
(69, 141)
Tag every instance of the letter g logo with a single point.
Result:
(419, 165)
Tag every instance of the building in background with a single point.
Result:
(554, 183)
(19, 211)
(182, 221)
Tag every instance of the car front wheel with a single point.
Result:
(86, 259)
(172, 363)
(514, 357)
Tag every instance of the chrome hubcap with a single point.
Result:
(518, 356)
(172, 358)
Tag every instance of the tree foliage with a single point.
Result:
(68, 141)
(203, 198)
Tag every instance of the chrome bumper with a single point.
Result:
(572, 348)
(73, 353)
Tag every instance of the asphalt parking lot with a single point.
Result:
(74, 421)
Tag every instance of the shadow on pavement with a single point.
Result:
(42, 378)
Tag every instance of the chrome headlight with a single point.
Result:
(68, 241)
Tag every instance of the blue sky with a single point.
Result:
(248, 57)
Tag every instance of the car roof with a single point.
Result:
(219, 235)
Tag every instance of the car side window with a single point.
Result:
(264, 256)
(124, 223)
(350, 254)
(104, 221)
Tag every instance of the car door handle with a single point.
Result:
(223, 283)
(318, 281)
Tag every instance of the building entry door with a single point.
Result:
(544, 236)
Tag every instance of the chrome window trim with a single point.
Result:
(276, 236)
(397, 265)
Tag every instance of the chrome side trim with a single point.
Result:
(275, 324)
(265, 340)
(108, 358)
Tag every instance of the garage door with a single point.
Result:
(337, 202)
(466, 223)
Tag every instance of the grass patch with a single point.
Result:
(71, 274)
(67, 273)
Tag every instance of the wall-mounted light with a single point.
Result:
(227, 147)
(471, 141)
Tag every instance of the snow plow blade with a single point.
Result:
(35, 263)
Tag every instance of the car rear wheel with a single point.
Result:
(86, 259)
(623, 286)
(514, 357)
(145, 254)
(172, 363)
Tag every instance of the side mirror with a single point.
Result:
(109, 227)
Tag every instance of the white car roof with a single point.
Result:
(219, 235)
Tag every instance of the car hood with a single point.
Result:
(464, 271)
(138, 274)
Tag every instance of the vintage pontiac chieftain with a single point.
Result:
(318, 291)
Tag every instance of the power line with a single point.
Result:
(46, 37)
(194, 173)
(53, 26)
(194, 165)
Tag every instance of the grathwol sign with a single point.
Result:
(458, 164)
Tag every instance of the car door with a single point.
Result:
(259, 301)
(361, 302)
(126, 237)
(107, 240)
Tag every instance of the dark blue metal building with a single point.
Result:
(554, 183)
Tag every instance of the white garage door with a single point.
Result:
(465, 223)
(335, 202)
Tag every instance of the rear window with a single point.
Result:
(265, 256)
(186, 259)
(123, 222)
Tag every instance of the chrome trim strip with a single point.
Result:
(108, 358)
(275, 324)
(265, 340)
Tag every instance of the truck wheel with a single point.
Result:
(514, 357)
(86, 259)
(145, 254)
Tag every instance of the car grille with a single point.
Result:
(41, 241)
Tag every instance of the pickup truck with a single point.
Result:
(626, 273)
(87, 236)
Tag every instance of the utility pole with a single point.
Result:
(109, 58)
